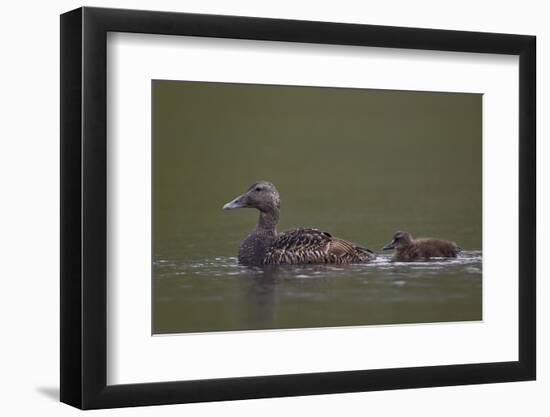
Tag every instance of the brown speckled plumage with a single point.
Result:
(408, 249)
(312, 246)
(299, 246)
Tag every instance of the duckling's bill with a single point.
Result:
(389, 246)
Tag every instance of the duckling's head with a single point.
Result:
(261, 195)
(400, 239)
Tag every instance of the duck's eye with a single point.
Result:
(258, 189)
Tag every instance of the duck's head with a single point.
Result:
(399, 240)
(261, 195)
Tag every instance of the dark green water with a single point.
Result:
(359, 164)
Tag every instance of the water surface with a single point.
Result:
(218, 294)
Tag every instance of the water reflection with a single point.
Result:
(218, 294)
(259, 298)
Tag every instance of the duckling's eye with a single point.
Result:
(258, 189)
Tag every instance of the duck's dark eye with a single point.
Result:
(258, 189)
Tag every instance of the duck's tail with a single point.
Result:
(365, 253)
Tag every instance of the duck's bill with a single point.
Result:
(389, 246)
(238, 202)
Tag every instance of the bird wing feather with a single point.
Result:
(309, 246)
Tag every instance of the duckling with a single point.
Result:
(409, 249)
(265, 246)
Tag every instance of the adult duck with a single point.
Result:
(264, 246)
(408, 249)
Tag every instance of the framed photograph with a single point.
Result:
(257, 207)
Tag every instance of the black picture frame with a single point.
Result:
(84, 207)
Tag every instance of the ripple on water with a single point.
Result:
(468, 262)
(287, 296)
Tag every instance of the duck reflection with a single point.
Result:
(266, 289)
(259, 296)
